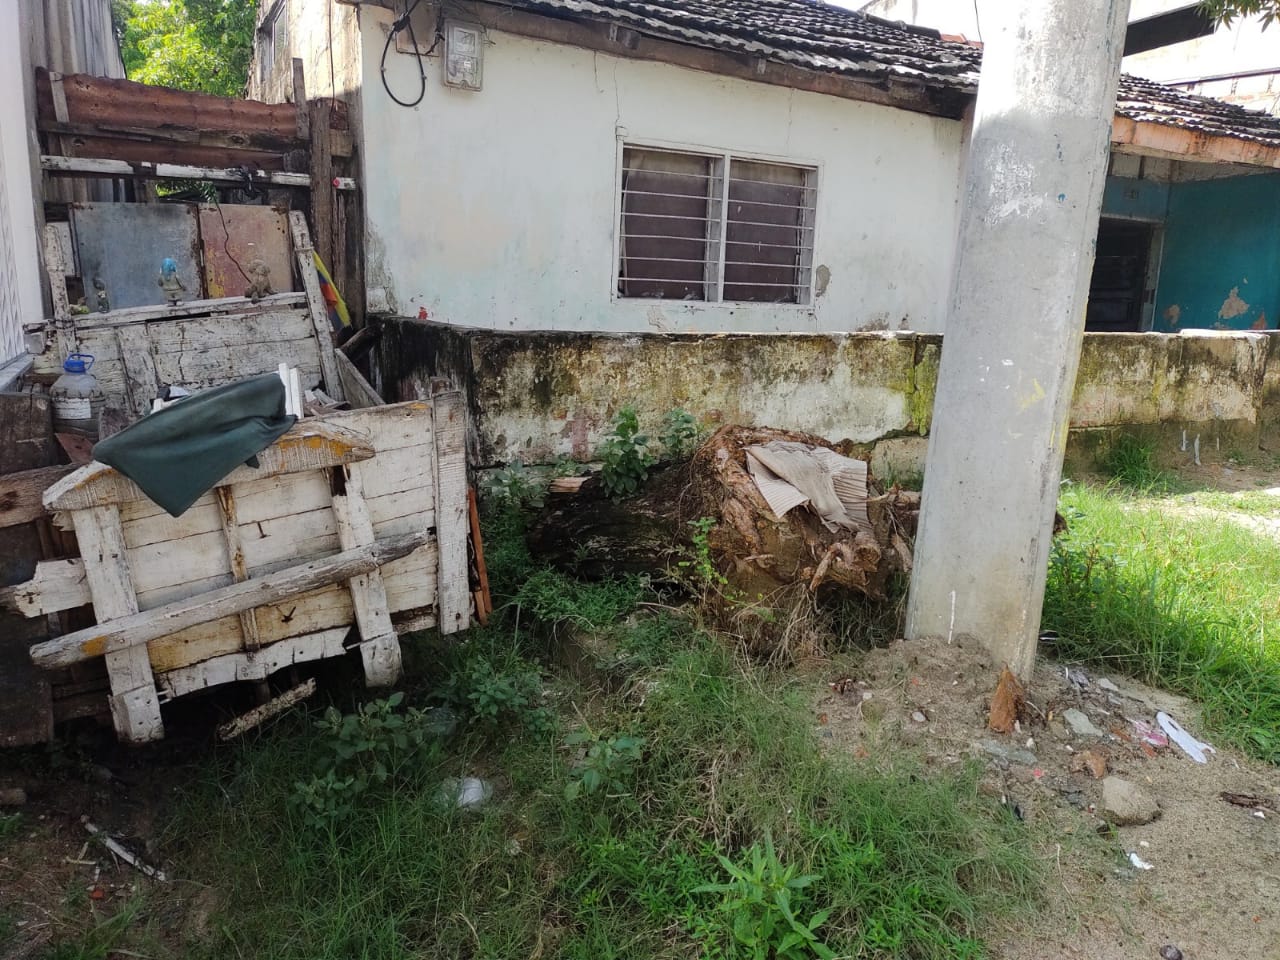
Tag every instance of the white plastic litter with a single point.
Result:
(469, 793)
(1138, 862)
(1192, 747)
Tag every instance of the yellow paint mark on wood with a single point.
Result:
(94, 647)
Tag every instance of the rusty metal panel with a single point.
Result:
(122, 246)
(234, 236)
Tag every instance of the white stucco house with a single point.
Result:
(699, 166)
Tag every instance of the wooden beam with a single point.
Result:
(322, 193)
(1144, 138)
(98, 167)
(359, 392)
(132, 632)
(21, 494)
(186, 310)
(55, 265)
(138, 363)
(305, 253)
(633, 45)
(453, 582)
(299, 94)
(272, 708)
(135, 707)
(379, 645)
(311, 444)
(57, 585)
(235, 558)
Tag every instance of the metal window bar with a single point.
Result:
(711, 176)
(767, 258)
(737, 220)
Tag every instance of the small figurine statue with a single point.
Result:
(259, 280)
(100, 290)
(170, 282)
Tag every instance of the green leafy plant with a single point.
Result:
(554, 598)
(679, 434)
(498, 697)
(606, 763)
(761, 909)
(698, 565)
(625, 455)
(365, 749)
(203, 45)
(515, 484)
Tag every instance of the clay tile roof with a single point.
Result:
(1149, 102)
(803, 33)
(818, 36)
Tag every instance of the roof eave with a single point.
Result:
(886, 88)
(1173, 142)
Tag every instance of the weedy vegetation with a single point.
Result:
(1185, 601)
(685, 809)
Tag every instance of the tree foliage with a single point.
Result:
(1226, 11)
(200, 45)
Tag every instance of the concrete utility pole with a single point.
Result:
(1032, 194)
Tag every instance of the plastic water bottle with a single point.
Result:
(77, 399)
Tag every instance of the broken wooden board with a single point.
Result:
(22, 494)
(261, 714)
(26, 431)
(334, 484)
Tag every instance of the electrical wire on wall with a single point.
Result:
(402, 23)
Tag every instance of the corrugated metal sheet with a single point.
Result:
(233, 237)
(122, 245)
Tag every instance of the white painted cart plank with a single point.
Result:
(453, 584)
(135, 708)
(379, 646)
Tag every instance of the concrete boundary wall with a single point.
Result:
(537, 397)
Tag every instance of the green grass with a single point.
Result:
(1181, 601)
(910, 866)
(1131, 461)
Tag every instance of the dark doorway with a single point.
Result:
(1118, 289)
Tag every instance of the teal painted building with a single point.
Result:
(1187, 249)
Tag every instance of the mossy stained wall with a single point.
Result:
(537, 397)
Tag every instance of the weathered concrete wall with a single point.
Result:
(536, 397)
(325, 35)
(499, 208)
(1270, 419)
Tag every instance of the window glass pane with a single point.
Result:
(665, 206)
(769, 232)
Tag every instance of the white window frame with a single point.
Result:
(805, 299)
